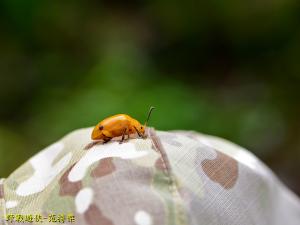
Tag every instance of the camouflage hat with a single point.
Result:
(172, 178)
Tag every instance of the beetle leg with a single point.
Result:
(123, 136)
(128, 135)
(140, 135)
(106, 140)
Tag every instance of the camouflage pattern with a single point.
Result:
(172, 178)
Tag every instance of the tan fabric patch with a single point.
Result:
(92, 144)
(159, 164)
(1, 191)
(129, 189)
(67, 187)
(105, 167)
(171, 139)
(223, 170)
(173, 186)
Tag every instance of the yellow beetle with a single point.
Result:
(119, 125)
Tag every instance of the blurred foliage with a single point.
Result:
(224, 68)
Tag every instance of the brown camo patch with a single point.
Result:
(105, 167)
(223, 170)
(94, 216)
(67, 187)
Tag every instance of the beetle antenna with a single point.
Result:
(149, 113)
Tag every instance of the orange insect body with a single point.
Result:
(114, 126)
(118, 125)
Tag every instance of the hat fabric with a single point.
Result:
(171, 178)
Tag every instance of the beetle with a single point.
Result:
(119, 125)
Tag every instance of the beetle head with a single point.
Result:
(97, 133)
(142, 129)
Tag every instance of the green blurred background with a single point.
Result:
(226, 68)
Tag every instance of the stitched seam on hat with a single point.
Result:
(3, 203)
(168, 171)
